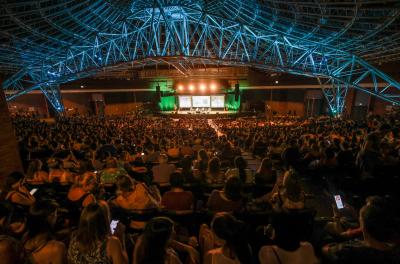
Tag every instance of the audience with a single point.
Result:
(115, 159)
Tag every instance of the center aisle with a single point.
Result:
(252, 163)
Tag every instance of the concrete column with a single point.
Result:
(9, 154)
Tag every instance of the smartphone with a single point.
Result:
(32, 192)
(113, 225)
(338, 201)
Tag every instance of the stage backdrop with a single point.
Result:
(167, 103)
(231, 104)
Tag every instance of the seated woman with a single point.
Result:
(35, 173)
(265, 175)
(240, 170)
(39, 245)
(93, 241)
(15, 191)
(134, 195)
(153, 246)
(214, 175)
(59, 175)
(186, 169)
(82, 193)
(201, 163)
(10, 248)
(290, 195)
(288, 247)
(230, 234)
(264, 179)
(229, 199)
(177, 199)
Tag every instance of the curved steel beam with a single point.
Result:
(165, 31)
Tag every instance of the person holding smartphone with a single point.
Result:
(15, 190)
(379, 222)
(93, 242)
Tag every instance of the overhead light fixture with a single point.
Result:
(202, 87)
(191, 87)
(213, 87)
(180, 87)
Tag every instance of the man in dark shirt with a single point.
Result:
(379, 221)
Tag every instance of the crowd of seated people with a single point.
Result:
(161, 190)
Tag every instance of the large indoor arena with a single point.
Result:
(199, 131)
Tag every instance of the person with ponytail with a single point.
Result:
(153, 246)
(235, 248)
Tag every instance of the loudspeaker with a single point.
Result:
(158, 93)
(237, 92)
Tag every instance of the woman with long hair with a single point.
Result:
(10, 248)
(93, 241)
(82, 192)
(240, 170)
(186, 169)
(15, 190)
(39, 243)
(265, 173)
(202, 161)
(214, 175)
(290, 195)
(153, 246)
(229, 199)
(235, 247)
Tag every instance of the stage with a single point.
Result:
(199, 112)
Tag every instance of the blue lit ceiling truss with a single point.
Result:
(48, 43)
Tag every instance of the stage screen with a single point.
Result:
(201, 101)
(217, 101)
(185, 101)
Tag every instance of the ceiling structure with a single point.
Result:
(45, 43)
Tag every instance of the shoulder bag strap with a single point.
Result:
(276, 255)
